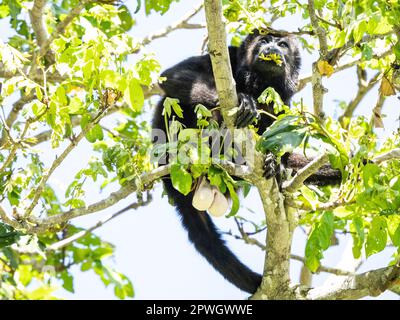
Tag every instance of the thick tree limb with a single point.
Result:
(221, 65)
(371, 283)
(37, 21)
(390, 155)
(318, 89)
(320, 31)
(276, 278)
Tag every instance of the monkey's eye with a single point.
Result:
(265, 40)
(283, 44)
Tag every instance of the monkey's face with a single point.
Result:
(273, 55)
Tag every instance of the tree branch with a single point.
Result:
(61, 26)
(221, 66)
(37, 226)
(371, 283)
(180, 24)
(316, 78)
(56, 163)
(363, 89)
(343, 66)
(65, 242)
(297, 181)
(38, 25)
(244, 236)
(390, 155)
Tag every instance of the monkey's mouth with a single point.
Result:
(272, 57)
(273, 63)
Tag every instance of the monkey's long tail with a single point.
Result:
(207, 240)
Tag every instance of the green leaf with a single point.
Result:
(133, 95)
(359, 30)
(68, 281)
(357, 232)
(393, 223)
(75, 106)
(366, 52)
(284, 135)
(284, 142)
(181, 179)
(39, 94)
(319, 240)
(126, 19)
(202, 111)
(378, 25)
(371, 173)
(4, 11)
(38, 108)
(377, 236)
(94, 134)
(235, 200)
(160, 6)
(24, 274)
(172, 104)
(340, 39)
(8, 236)
(269, 96)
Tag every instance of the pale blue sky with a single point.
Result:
(152, 249)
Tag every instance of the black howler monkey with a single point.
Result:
(192, 82)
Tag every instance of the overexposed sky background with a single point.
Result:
(152, 248)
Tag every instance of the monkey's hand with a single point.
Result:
(247, 110)
(271, 166)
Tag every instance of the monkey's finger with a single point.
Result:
(247, 120)
(241, 115)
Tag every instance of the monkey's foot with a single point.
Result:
(247, 111)
(271, 166)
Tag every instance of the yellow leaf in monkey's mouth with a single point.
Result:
(272, 57)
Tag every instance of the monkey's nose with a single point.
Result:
(272, 50)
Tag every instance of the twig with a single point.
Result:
(65, 242)
(180, 24)
(345, 65)
(363, 89)
(62, 156)
(61, 27)
(13, 115)
(37, 226)
(249, 240)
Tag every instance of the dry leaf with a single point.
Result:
(386, 89)
(325, 68)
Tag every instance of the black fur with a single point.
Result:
(192, 82)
